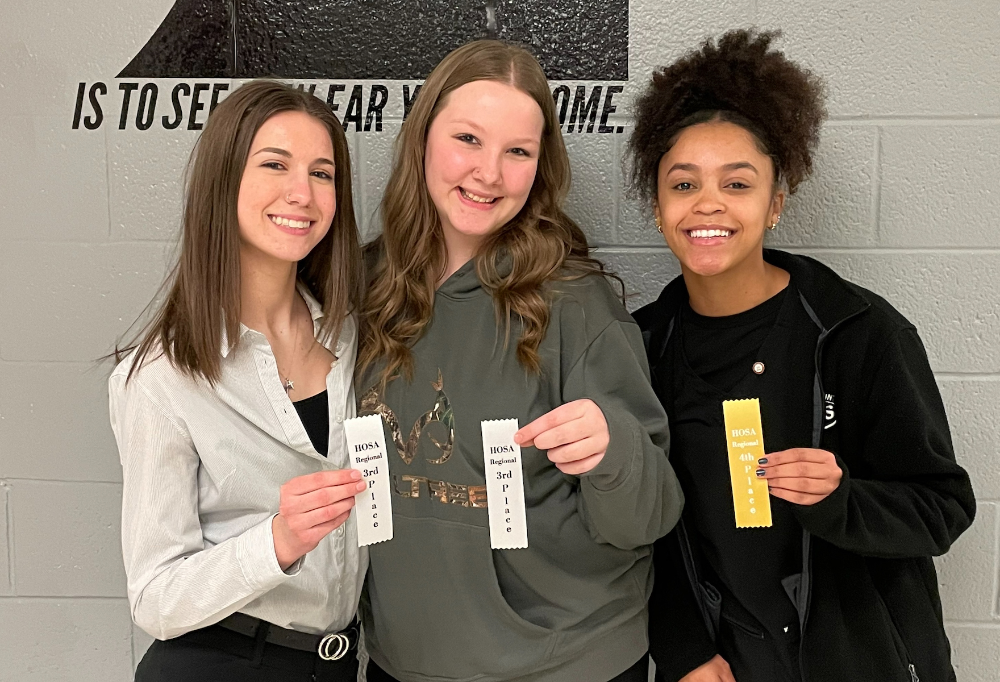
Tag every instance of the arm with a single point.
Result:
(175, 583)
(631, 497)
(914, 500)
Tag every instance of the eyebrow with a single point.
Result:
(287, 154)
(738, 165)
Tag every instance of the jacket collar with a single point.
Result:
(831, 297)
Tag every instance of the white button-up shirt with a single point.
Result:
(202, 469)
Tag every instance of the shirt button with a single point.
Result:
(340, 530)
(340, 419)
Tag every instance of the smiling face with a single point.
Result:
(287, 197)
(715, 199)
(480, 161)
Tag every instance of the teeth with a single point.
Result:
(476, 198)
(705, 234)
(297, 224)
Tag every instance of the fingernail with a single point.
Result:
(760, 473)
(355, 474)
(517, 438)
(361, 486)
(762, 461)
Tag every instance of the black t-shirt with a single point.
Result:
(315, 415)
(714, 360)
(721, 349)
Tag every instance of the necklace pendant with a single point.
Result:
(289, 384)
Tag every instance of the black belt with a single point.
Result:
(330, 647)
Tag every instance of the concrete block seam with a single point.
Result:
(966, 376)
(973, 625)
(913, 119)
(995, 606)
(68, 481)
(95, 363)
(618, 182)
(131, 649)
(840, 250)
(362, 148)
(876, 198)
(9, 520)
(995, 610)
(63, 599)
(57, 481)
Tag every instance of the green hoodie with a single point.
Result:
(440, 604)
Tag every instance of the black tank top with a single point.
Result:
(315, 415)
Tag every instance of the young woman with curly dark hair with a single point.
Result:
(864, 488)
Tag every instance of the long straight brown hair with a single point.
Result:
(204, 285)
(541, 243)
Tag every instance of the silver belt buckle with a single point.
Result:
(333, 647)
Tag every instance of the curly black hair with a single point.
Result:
(739, 80)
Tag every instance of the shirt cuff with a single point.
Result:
(258, 561)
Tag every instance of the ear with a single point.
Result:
(777, 205)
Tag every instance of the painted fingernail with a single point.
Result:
(760, 473)
(762, 461)
(355, 474)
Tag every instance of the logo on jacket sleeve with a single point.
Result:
(829, 415)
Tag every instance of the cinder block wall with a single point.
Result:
(905, 201)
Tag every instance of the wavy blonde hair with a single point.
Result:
(539, 244)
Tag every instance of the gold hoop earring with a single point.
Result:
(659, 226)
(775, 223)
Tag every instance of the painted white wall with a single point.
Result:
(905, 201)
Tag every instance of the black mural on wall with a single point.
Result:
(378, 39)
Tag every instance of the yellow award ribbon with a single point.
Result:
(745, 442)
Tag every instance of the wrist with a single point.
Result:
(285, 549)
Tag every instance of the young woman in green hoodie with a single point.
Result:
(484, 304)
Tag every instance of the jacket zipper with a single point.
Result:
(913, 673)
(806, 584)
(687, 554)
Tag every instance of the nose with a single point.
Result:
(298, 190)
(708, 202)
(489, 169)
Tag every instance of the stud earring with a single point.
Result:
(775, 223)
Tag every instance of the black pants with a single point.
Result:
(215, 654)
(639, 672)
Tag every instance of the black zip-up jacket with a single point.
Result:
(868, 601)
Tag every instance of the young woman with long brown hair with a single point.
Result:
(484, 304)
(241, 558)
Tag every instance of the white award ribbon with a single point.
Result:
(504, 485)
(373, 507)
